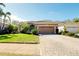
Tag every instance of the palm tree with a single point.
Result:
(7, 14)
(2, 13)
(1, 10)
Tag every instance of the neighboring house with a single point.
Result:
(45, 27)
(71, 27)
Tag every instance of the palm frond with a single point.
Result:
(8, 13)
(1, 12)
(2, 4)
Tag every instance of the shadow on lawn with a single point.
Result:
(2, 37)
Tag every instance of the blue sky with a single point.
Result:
(45, 11)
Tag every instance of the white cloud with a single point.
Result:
(16, 18)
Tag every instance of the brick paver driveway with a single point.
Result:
(58, 45)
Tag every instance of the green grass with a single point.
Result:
(19, 38)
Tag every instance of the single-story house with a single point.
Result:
(45, 27)
(70, 27)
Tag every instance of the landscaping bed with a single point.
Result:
(76, 35)
(19, 38)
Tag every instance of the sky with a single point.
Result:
(43, 11)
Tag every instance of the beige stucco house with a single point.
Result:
(45, 27)
(70, 27)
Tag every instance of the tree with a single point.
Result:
(68, 20)
(76, 19)
(7, 14)
(1, 10)
(2, 13)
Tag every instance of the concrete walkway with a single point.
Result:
(22, 49)
(55, 45)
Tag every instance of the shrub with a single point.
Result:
(1, 32)
(76, 19)
(15, 29)
(32, 26)
(70, 34)
(22, 25)
(65, 29)
(12, 29)
(29, 29)
(5, 31)
(9, 29)
(25, 30)
(34, 31)
(76, 35)
(63, 32)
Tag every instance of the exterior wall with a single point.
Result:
(46, 28)
(70, 29)
(61, 28)
(73, 29)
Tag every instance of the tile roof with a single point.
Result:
(43, 22)
(71, 24)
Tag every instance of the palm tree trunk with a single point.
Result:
(3, 23)
(9, 19)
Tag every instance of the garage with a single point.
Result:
(46, 29)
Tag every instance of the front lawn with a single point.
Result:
(19, 38)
